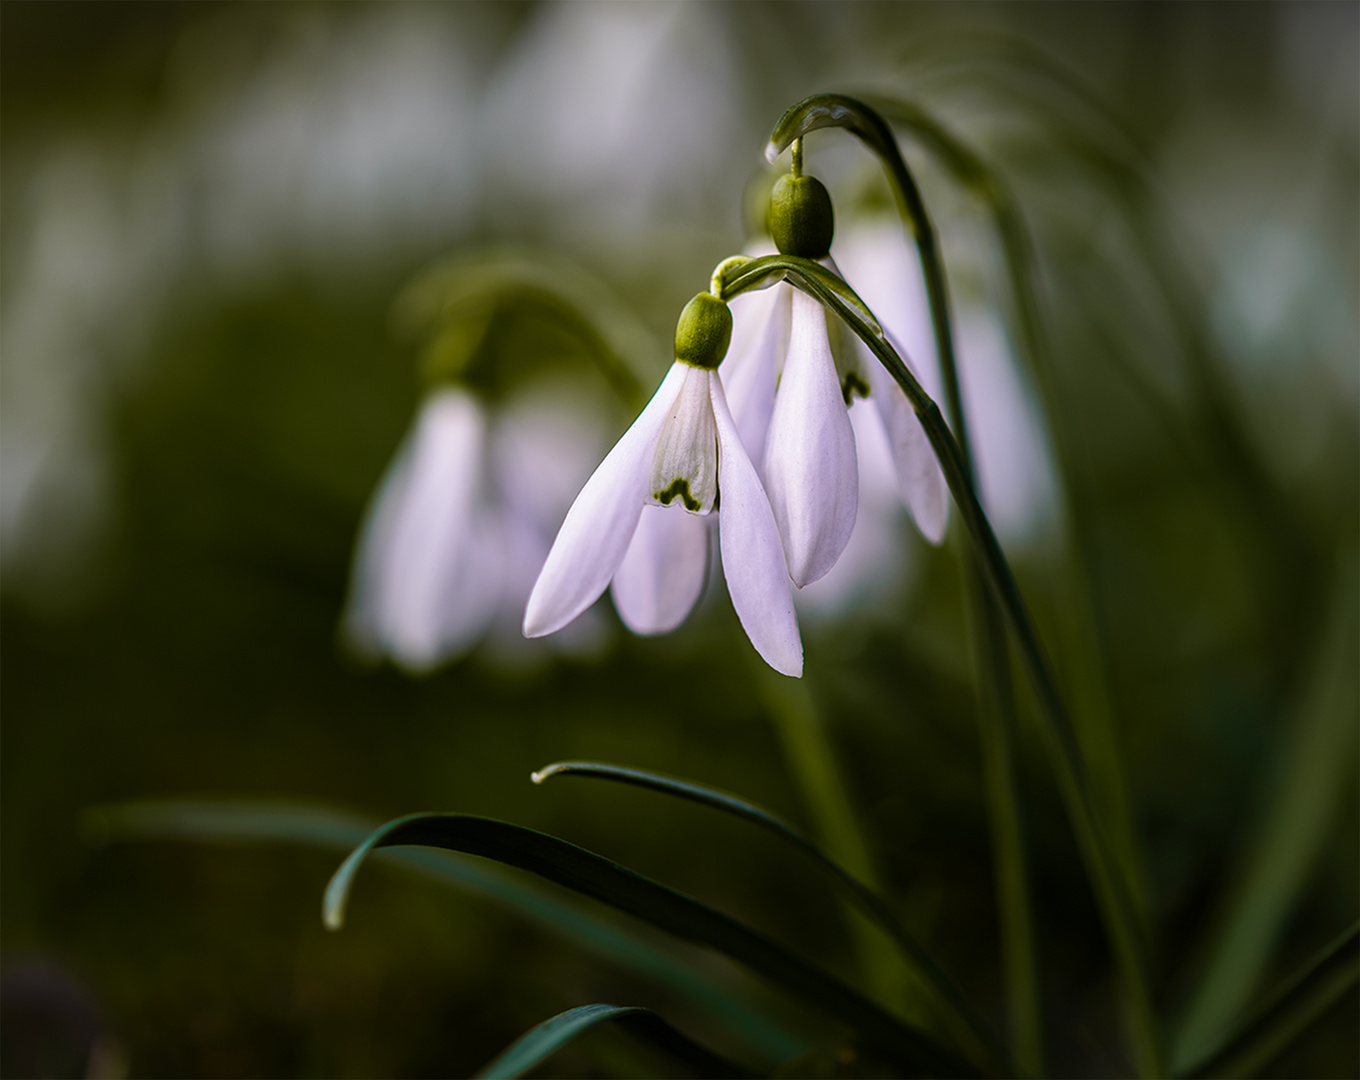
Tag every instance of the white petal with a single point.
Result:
(663, 573)
(882, 266)
(752, 554)
(751, 371)
(598, 527)
(810, 469)
(1016, 479)
(425, 580)
(876, 564)
(920, 480)
(685, 464)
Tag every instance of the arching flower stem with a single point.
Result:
(1073, 779)
(996, 694)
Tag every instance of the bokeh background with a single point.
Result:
(208, 212)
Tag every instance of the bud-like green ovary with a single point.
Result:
(801, 220)
(704, 332)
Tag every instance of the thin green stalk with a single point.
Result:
(1073, 779)
(813, 762)
(1096, 721)
(996, 705)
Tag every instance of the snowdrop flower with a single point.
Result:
(1016, 479)
(791, 391)
(642, 519)
(462, 521)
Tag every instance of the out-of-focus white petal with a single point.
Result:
(663, 573)
(600, 524)
(1011, 456)
(752, 554)
(1016, 480)
(810, 469)
(685, 464)
(360, 624)
(876, 564)
(920, 480)
(751, 371)
(422, 541)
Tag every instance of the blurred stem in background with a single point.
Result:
(1290, 833)
(814, 764)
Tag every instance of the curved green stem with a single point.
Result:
(1073, 779)
(1018, 253)
(996, 701)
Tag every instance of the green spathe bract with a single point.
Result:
(703, 332)
(801, 219)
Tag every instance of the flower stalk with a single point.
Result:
(996, 712)
(1073, 779)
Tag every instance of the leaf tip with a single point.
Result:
(547, 771)
(771, 152)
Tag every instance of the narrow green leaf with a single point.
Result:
(1086, 668)
(678, 914)
(814, 764)
(1074, 782)
(540, 1043)
(764, 1037)
(921, 960)
(1293, 827)
(1289, 1012)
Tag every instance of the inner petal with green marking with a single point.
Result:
(685, 465)
(845, 350)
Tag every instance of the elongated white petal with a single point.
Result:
(876, 564)
(751, 371)
(361, 625)
(685, 464)
(920, 480)
(664, 571)
(752, 554)
(810, 470)
(598, 527)
(427, 590)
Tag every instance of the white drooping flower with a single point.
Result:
(790, 393)
(1016, 480)
(642, 519)
(462, 520)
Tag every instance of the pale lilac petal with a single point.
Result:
(685, 464)
(422, 547)
(751, 371)
(876, 565)
(1014, 464)
(883, 267)
(598, 527)
(663, 573)
(920, 480)
(752, 554)
(360, 624)
(810, 469)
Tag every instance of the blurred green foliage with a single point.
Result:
(191, 649)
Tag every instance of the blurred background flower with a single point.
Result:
(207, 214)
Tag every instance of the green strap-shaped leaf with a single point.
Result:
(678, 914)
(1295, 821)
(540, 1043)
(947, 992)
(1074, 781)
(766, 1039)
(1303, 999)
